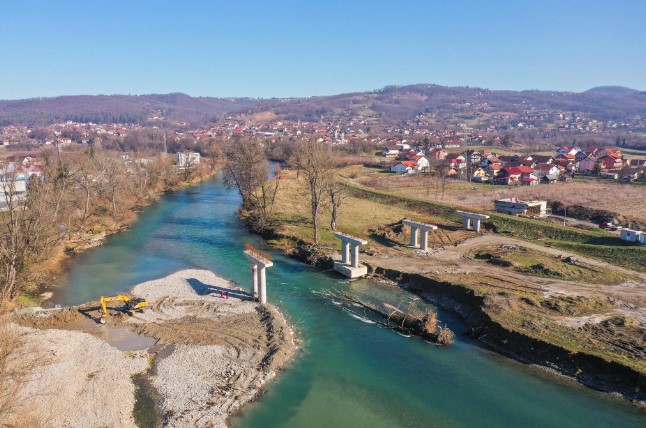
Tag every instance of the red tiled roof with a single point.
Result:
(524, 169)
(513, 170)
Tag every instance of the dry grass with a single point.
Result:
(430, 323)
(446, 336)
(356, 216)
(16, 365)
(537, 263)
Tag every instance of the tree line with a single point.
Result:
(248, 170)
(77, 194)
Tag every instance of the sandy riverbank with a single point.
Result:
(204, 356)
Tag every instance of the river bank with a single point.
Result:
(590, 332)
(202, 356)
(93, 234)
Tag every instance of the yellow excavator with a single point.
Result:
(132, 304)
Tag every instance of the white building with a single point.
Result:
(189, 158)
(403, 167)
(631, 235)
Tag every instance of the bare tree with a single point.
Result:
(84, 175)
(112, 174)
(189, 167)
(28, 228)
(313, 159)
(246, 169)
(337, 194)
(267, 197)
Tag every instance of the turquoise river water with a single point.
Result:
(350, 373)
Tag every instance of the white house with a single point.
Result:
(568, 151)
(403, 167)
(541, 170)
(422, 163)
(631, 235)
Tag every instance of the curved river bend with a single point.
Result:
(350, 373)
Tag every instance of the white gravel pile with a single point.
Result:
(174, 296)
(202, 385)
(75, 375)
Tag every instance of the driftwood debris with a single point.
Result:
(407, 322)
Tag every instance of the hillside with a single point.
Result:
(119, 108)
(391, 103)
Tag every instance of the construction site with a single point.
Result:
(517, 207)
(186, 350)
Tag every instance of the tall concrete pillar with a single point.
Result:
(263, 285)
(467, 223)
(415, 228)
(424, 243)
(476, 224)
(259, 263)
(345, 252)
(254, 278)
(413, 236)
(355, 256)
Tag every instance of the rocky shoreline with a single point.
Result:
(204, 356)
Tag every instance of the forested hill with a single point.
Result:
(390, 103)
(119, 108)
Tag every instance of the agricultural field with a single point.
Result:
(626, 200)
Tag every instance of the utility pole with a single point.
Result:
(564, 216)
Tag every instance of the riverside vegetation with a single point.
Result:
(79, 199)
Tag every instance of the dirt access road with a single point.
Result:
(451, 264)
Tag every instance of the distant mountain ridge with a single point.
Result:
(392, 103)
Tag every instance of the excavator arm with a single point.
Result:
(132, 304)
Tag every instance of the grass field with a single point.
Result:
(594, 243)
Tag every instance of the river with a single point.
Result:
(350, 373)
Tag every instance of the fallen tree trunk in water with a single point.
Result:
(418, 324)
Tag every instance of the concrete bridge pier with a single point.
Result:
(413, 236)
(258, 275)
(415, 228)
(349, 264)
(254, 280)
(468, 217)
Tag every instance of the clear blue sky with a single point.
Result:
(298, 48)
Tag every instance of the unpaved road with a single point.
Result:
(451, 264)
